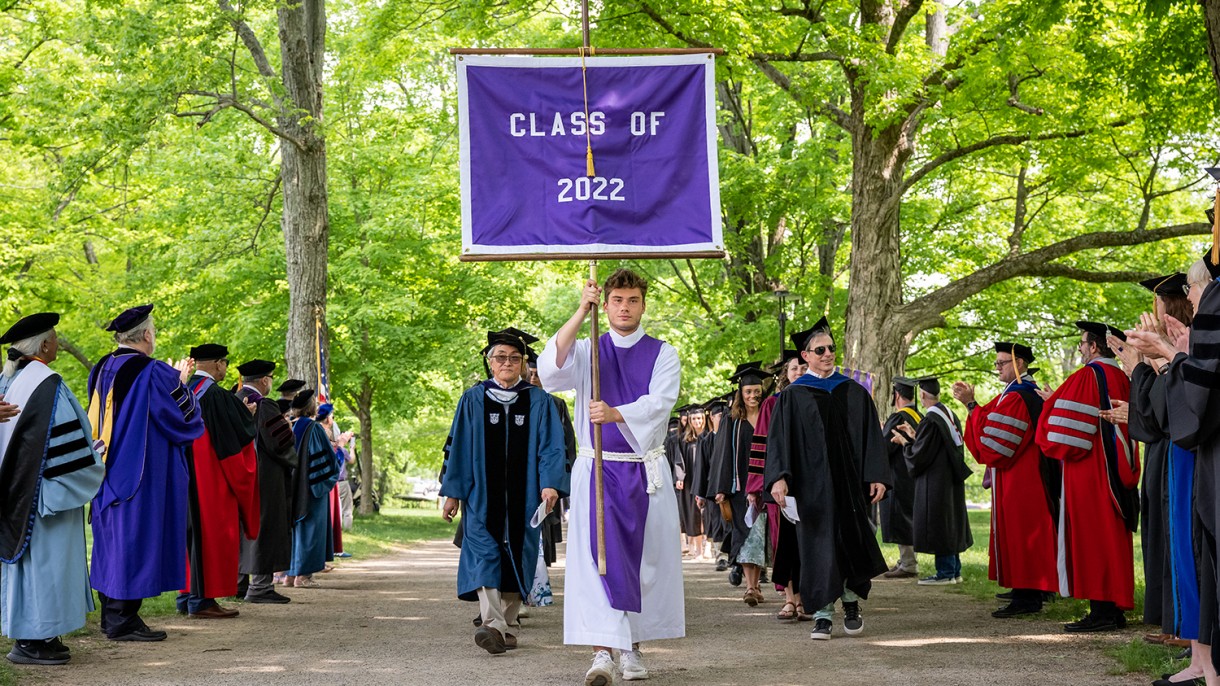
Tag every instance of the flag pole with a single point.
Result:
(595, 363)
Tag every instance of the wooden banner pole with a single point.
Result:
(598, 481)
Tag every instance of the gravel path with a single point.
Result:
(394, 620)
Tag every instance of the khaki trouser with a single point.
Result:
(345, 505)
(499, 611)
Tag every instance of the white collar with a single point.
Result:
(819, 376)
(200, 372)
(1107, 360)
(246, 385)
(627, 341)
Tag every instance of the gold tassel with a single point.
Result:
(589, 161)
(584, 82)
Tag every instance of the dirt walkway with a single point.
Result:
(394, 620)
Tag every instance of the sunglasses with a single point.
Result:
(822, 349)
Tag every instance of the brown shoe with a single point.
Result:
(214, 612)
(897, 573)
(759, 596)
(510, 642)
(1156, 639)
(749, 598)
(1176, 643)
(489, 639)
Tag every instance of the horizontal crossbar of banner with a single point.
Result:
(559, 257)
(575, 52)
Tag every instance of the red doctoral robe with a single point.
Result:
(1101, 469)
(224, 496)
(1000, 435)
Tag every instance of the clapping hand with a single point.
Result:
(1117, 414)
(963, 392)
(184, 366)
(1128, 355)
(252, 407)
(7, 410)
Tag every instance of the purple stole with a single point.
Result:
(625, 376)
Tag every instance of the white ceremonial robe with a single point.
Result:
(588, 618)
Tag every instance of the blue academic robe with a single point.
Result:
(535, 445)
(317, 473)
(147, 418)
(45, 591)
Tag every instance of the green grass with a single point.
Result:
(1135, 656)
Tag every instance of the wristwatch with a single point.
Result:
(971, 405)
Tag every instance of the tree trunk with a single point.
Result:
(306, 226)
(364, 414)
(873, 341)
(1211, 19)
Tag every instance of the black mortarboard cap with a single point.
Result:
(905, 382)
(1101, 330)
(1017, 350)
(716, 405)
(255, 368)
(28, 327)
(209, 351)
(749, 373)
(284, 404)
(800, 338)
(511, 336)
(928, 384)
(301, 401)
(291, 386)
(1170, 285)
(130, 318)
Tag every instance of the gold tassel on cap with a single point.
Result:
(1216, 229)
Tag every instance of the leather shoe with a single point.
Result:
(1006, 595)
(510, 642)
(1156, 639)
(214, 612)
(144, 635)
(1200, 681)
(735, 575)
(489, 639)
(268, 597)
(1092, 623)
(898, 573)
(1016, 609)
(1174, 642)
(722, 565)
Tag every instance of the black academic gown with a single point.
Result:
(688, 469)
(898, 507)
(825, 442)
(713, 523)
(941, 525)
(729, 468)
(673, 455)
(1148, 422)
(1193, 387)
(271, 551)
(552, 526)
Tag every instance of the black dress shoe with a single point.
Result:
(144, 635)
(36, 653)
(1200, 681)
(1006, 595)
(268, 597)
(1016, 609)
(478, 620)
(722, 565)
(735, 575)
(1092, 623)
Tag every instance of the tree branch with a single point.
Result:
(670, 29)
(1063, 271)
(250, 40)
(75, 352)
(993, 142)
(822, 56)
(901, 20)
(923, 312)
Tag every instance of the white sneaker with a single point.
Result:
(632, 665)
(602, 671)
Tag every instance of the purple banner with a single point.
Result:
(524, 129)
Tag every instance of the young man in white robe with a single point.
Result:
(640, 598)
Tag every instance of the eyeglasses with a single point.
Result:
(822, 349)
(1002, 364)
(505, 359)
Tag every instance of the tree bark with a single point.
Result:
(306, 224)
(1211, 19)
(364, 415)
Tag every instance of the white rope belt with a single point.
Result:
(653, 460)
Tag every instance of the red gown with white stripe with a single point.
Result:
(1095, 547)
(1023, 538)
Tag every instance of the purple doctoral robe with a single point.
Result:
(147, 418)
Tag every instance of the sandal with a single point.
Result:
(749, 598)
(758, 596)
(801, 615)
(785, 614)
